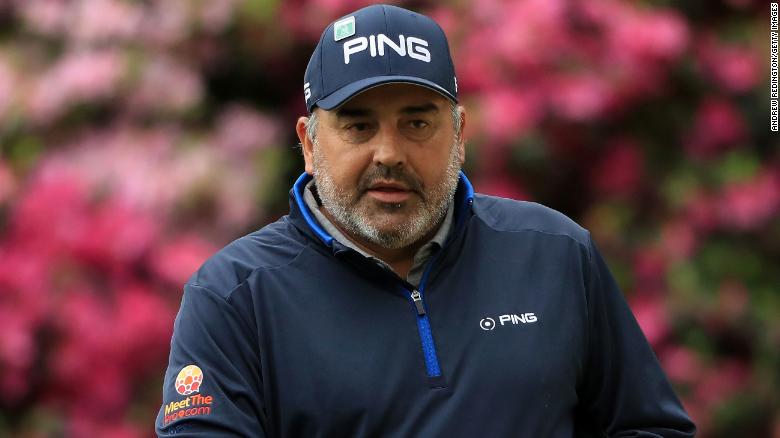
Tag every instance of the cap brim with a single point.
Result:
(343, 94)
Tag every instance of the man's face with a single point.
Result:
(386, 163)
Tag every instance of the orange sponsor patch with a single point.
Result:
(189, 380)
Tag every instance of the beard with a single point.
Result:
(373, 221)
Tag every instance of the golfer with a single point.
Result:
(392, 300)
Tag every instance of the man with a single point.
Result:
(393, 300)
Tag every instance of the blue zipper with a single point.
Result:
(424, 324)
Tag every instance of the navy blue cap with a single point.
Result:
(376, 45)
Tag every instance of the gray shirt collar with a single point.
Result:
(421, 256)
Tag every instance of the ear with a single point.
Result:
(462, 137)
(307, 146)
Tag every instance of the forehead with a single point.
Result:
(394, 98)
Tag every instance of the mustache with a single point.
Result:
(393, 174)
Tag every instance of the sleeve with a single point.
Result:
(623, 391)
(213, 385)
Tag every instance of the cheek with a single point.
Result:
(348, 172)
(431, 164)
(345, 167)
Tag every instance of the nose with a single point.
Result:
(389, 150)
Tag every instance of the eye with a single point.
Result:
(358, 127)
(358, 131)
(418, 129)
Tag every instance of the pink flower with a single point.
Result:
(722, 381)
(165, 22)
(143, 170)
(681, 364)
(639, 47)
(679, 239)
(140, 167)
(701, 211)
(54, 194)
(116, 236)
(735, 68)
(748, 204)
(447, 18)
(620, 170)
(242, 130)
(96, 394)
(110, 234)
(99, 20)
(479, 69)
(527, 33)
(106, 345)
(47, 17)
(649, 266)
(581, 97)
(215, 16)
(143, 325)
(166, 85)
(661, 35)
(177, 260)
(78, 77)
(652, 316)
(25, 276)
(508, 114)
(507, 43)
(17, 346)
(84, 353)
(718, 126)
(233, 212)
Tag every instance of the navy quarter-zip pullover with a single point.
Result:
(516, 329)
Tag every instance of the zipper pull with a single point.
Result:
(417, 298)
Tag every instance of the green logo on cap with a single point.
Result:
(344, 28)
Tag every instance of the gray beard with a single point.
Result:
(341, 205)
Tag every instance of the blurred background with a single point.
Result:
(138, 137)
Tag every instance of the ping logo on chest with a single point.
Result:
(510, 319)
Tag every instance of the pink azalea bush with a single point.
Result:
(139, 137)
(112, 193)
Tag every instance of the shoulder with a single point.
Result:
(509, 215)
(270, 247)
